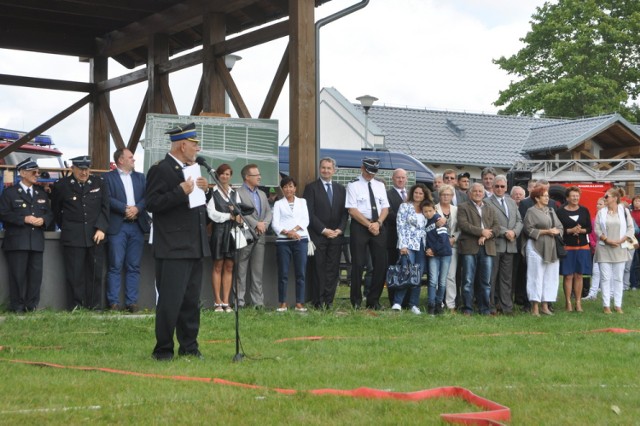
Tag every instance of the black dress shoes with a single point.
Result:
(195, 354)
(162, 356)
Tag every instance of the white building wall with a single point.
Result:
(340, 129)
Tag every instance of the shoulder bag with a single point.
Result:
(403, 274)
(561, 251)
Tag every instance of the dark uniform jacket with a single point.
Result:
(15, 205)
(179, 232)
(80, 211)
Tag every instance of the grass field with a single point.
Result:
(547, 370)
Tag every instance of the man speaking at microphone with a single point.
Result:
(179, 243)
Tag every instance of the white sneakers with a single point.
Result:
(414, 309)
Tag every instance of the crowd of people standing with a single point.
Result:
(484, 247)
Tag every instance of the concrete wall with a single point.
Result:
(54, 294)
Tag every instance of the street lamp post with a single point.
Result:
(229, 62)
(366, 101)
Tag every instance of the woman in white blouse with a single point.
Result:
(290, 221)
(614, 229)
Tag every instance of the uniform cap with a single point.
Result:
(371, 165)
(183, 131)
(83, 161)
(27, 164)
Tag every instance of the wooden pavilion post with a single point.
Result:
(158, 54)
(213, 92)
(302, 92)
(98, 127)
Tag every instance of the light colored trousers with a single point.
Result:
(611, 275)
(543, 279)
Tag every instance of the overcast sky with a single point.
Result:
(417, 53)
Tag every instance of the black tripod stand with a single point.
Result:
(241, 210)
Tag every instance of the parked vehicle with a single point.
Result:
(40, 149)
(351, 160)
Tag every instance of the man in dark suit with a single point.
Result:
(128, 222)
(327, 222)
(506, 246)
(179, 244)
(80, 204)
(478, 226)
(396, 196)
(252, 256)
(25, 212)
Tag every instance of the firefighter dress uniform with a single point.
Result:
(23, 242)
(80, 210)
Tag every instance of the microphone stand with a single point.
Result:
(234, 274)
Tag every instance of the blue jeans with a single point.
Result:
(480, 263)
(285, 250)
(438, 271)
(415, 256)
(125, 250)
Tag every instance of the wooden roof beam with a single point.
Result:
(170, 21)
(45, 126)
(245, 41)
(46, 83)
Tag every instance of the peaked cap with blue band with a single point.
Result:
(27, 164)
(183, 131)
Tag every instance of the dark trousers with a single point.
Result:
(520, 282)
(360, 239)
(502, 283)
(326, 265)
(25, 278)
(178, 282)
(83, 267)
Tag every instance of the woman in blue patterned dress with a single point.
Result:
(411, 241)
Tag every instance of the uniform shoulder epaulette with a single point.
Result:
(355, 179)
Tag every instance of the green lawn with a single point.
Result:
(547, 370)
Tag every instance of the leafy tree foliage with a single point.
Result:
(581, 58)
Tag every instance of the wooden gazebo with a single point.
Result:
(150, 33)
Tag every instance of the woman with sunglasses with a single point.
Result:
(614, 229)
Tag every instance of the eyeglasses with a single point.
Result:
(254, 175)
(499, 186)
(449, 178)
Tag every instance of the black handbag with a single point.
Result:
(561, 251)
(403, 274)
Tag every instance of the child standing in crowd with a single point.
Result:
(438, 250)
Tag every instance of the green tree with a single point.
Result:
(581, 58)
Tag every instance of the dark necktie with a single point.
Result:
(329, 193)
(29, 194)
(504, 207)
(374, 209)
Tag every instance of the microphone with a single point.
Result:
(201, 161)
